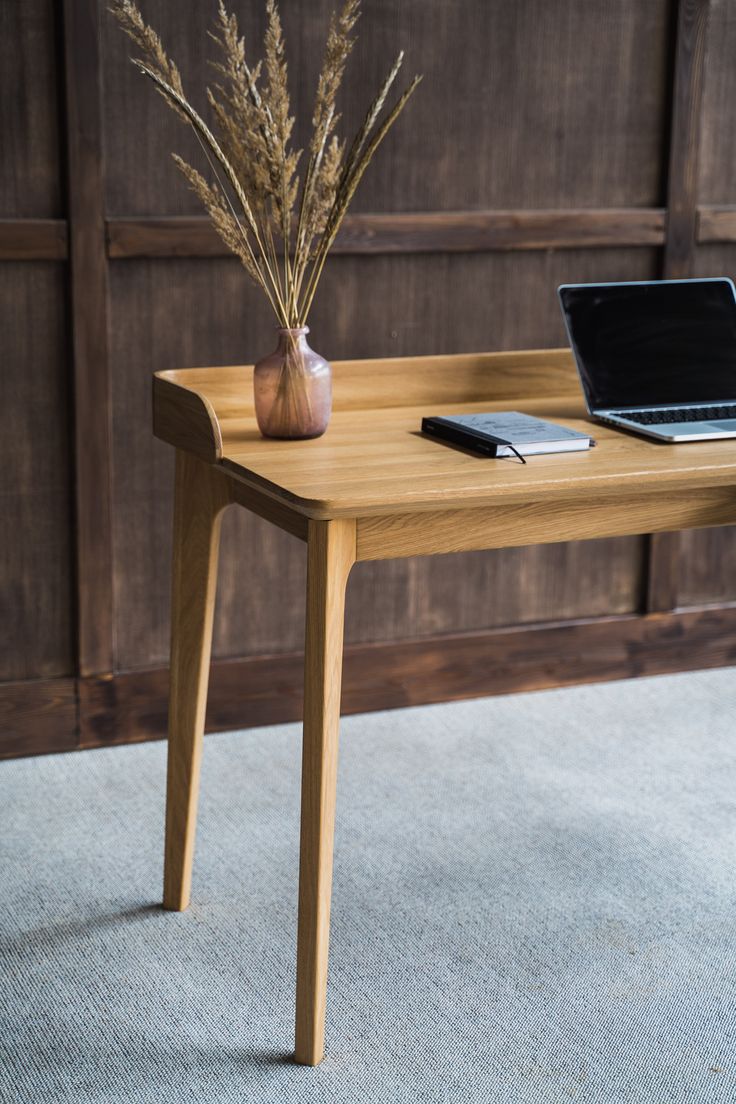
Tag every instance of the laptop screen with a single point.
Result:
(653, 344)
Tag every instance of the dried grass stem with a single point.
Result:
(261, 201)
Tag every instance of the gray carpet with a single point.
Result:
(534, 901)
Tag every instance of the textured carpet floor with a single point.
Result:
(534, 901)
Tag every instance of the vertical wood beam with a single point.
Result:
(663, 569)
(687, 99)
(680, 236)
(88, 305)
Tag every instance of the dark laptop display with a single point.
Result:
(651, 344)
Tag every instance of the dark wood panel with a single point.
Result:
(423, 232)
(717, 184)
(528, 104)
(715, 259)
(401, 306)
(479, 590)
(165, 314)
(173, 313)
(36, 566)
(707, 570)
(30, 184)
(88, 286)
(267, 689)
(33, 240)
(38, 717)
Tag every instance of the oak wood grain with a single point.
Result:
(398, 381)
(330, 556)
(377, 461)
(542, 522)
(202, 493)
(270, 508)
(186, 419)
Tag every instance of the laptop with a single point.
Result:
(657, 357)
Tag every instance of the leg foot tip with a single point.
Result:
(174, 904)
(308, 1055)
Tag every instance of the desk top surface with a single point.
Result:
(374, 460)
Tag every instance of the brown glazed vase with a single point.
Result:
(293, 389)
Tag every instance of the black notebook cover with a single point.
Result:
(492, 434)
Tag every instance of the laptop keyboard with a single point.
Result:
(690, 414)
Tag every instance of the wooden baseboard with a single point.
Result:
(39, 716)
(245, 693)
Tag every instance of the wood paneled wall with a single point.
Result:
(551, 141)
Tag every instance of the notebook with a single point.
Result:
(505, 433)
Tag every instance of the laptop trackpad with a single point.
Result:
(727, 425)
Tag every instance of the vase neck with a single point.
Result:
(295, 338)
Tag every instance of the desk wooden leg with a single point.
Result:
(201, 494)
(331, 554)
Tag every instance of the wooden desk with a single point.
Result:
(374, 488)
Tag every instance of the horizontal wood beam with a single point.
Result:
(268, 689)
(33, 240)
(716, 224)
(389, 536)
(414, 232)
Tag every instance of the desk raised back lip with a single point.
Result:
(373, 460)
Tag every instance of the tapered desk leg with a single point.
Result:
(201, 493)
(331, 554)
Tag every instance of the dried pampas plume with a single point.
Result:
(279, 226)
